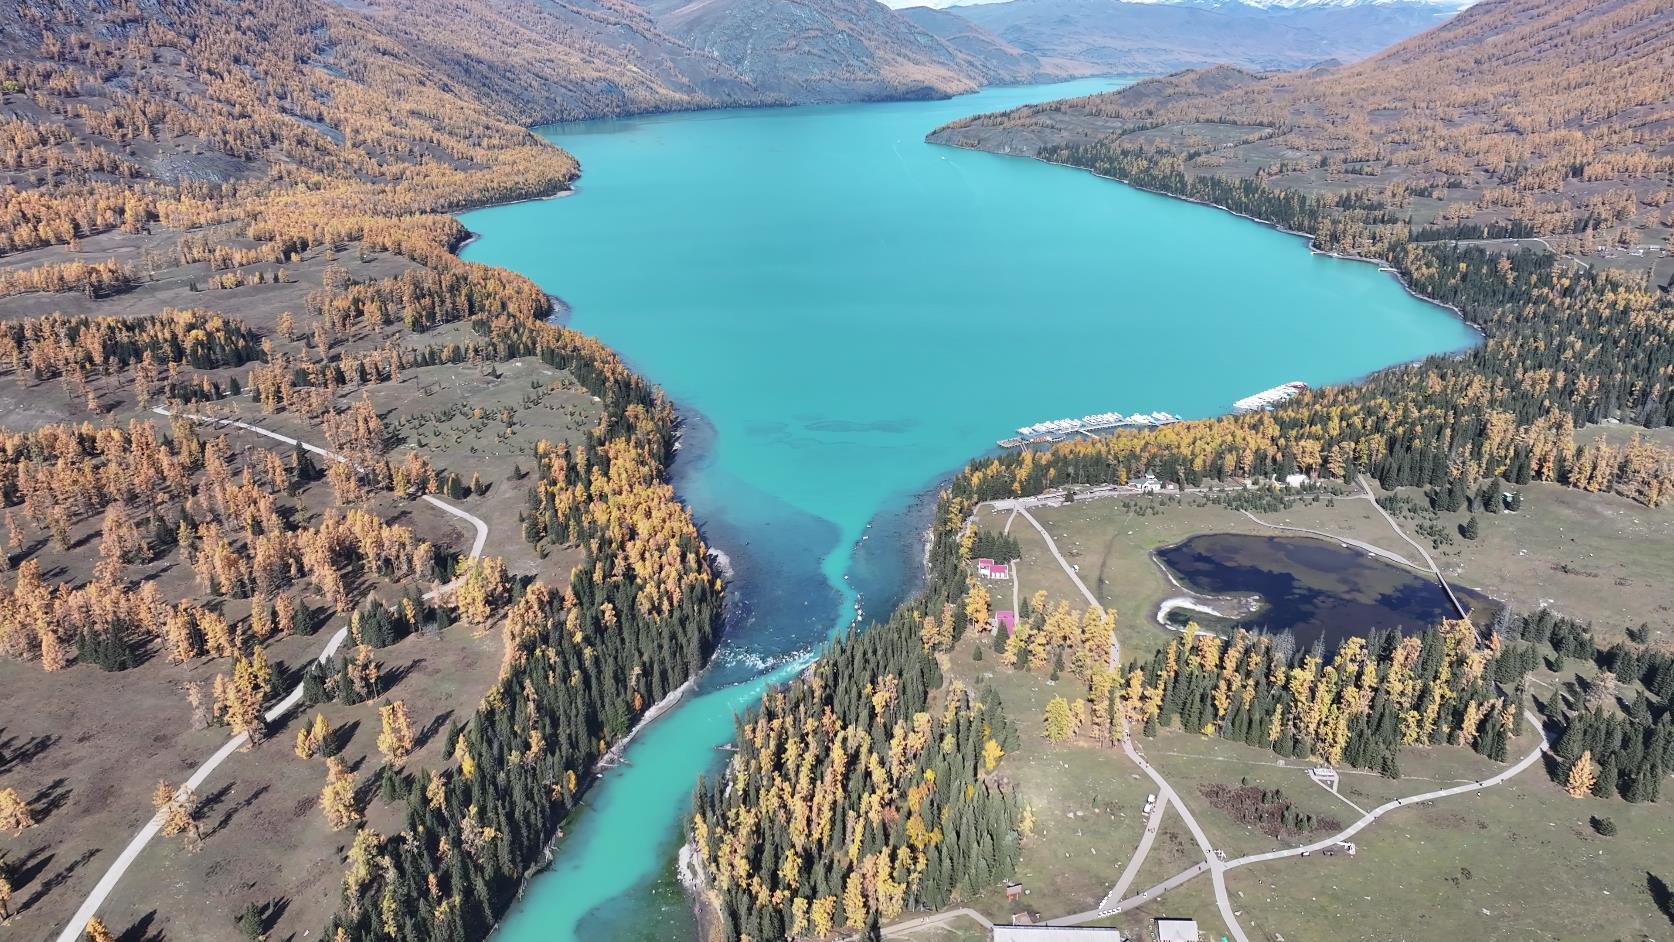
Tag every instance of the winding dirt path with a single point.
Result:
(102, 890)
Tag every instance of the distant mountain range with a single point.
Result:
(538, 61)
(550, 60)
(1158, 36)
(1451, 5)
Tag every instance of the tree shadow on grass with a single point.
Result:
(213, 800)
(15, 755)
(141, 930)
(50, 799)
(232, 812)
(24, 870)
(341, 738)
(1661, 895)
(431, 729)
(56, 880)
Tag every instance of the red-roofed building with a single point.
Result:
(999, 572)
(1006, 619)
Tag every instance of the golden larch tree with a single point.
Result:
(395, 740)
(14, 812)
(337, 799)
(1582, 776)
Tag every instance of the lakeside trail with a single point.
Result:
(73, 930)
(1377, 551)
(1463, 612)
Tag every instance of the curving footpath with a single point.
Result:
(102, 890)
(1383, 809)
(1165, 791)
(1152, 826)
(1074, 576)
(1463, 613)
(1190, 873)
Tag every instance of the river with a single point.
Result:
(845, 314)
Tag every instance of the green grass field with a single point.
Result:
(1515, 863)
(1086, 799)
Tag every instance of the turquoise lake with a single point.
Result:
(845, 315)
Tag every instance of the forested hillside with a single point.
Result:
(280, 167)
(867, 787)
(1516, 118)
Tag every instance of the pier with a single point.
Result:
(1056, 430)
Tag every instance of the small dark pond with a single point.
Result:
(1312, 588)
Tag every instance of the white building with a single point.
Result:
(1055, 934)
(1177, 930)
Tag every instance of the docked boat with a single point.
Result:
(1056, 430)
(1268, 398)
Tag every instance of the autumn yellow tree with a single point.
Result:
(96, 931)
(395, 740)
(1582, 776)
(337, 799)
(483, 587)
(178, 812)
(1059, 722)
(14, 812)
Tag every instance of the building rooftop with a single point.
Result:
(1177, 930)
(1055, 934)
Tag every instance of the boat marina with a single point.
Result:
(1268, 398)
(1056, 430)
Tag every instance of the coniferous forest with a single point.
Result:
(865, 787)
(580, 666)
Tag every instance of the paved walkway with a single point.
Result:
(1165, 792)
(1191, 873)
(102, 890)
(1152, 826)
(1383, 809)
(1068, 569)
(925, 922)
(1415, 545)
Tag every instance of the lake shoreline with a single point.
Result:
(1382, 265)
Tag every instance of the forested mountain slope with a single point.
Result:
(823, 50)
(553, 60)
(1524, 117)
(995, 57)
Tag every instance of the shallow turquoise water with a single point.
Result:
(846, 314)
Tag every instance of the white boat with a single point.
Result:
(1268, 398)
